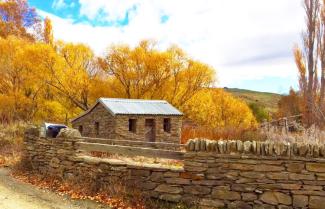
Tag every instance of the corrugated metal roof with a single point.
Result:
(139, 107)
(135, 107)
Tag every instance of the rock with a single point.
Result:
(275, 198)
(253, 175)
(197, 145)
(296, 176)
(225, 194)
(270, 148)
(239, 204)
(258, 148)
(303, 149)
(243, 187)
(254, 147)
(157, 177)
(203, 145)
(137, 172)
(295, 167)
(277, 176)
(212, 203)
(267, 168)
(316, 167)
(147, 185)
(55, 163)
(249, 196)
(69, 133)
(263, 206)
(231, 146)
(197, 189)
(168, 189)
(322, 150)
(170, 197)
(190, 146)
(221, 147)
(240, 147)
(180, 181)
(247, 147)
(315, 150)
(300, 201)
(316, 202)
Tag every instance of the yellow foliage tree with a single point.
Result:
(146, 72)
(216, 108)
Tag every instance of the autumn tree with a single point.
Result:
(216, 108)
(48, 31)
(290, 105)
(18, 19)
(146, 72)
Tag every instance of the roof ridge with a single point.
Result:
(132, 100)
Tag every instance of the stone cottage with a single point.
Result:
(131, 119)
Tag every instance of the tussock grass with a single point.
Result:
(11, 140)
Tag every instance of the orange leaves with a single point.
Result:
(77, 191)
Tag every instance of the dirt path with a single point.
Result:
(17, 195)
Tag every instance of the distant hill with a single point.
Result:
(266, 99)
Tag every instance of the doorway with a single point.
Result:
(150, 130)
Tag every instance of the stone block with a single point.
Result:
(300, 201)
(179, 181)
(316, 167)
(202, 190)
(211, 203)
(169, 189)
(275, 198)
(249, 196)
(225, 194)
(171, 197)
(295, 176)
(316, 202)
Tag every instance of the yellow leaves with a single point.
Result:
(48, 31)
(146, 72)
(216, 108)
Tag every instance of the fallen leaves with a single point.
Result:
(79, 192)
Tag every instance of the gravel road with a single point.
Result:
(18, 195)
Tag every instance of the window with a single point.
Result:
(97, 128)
(167, 125)
(132, 125)
(80, 128)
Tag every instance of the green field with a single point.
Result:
(266, 99)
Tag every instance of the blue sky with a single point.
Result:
(249, 43)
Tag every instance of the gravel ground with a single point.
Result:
(18, 195)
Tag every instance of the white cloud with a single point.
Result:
(61, 4)
(240, 39)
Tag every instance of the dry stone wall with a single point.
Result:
(224, 174)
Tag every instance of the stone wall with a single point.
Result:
(117, 127)
(100, 115)
(224, 174)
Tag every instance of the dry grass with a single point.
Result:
(140, 160)
(312, 135)
(11, 138)
(221, 133)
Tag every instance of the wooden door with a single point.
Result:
(150, 130)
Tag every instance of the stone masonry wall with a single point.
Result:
(223, 174)
(103, 117)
